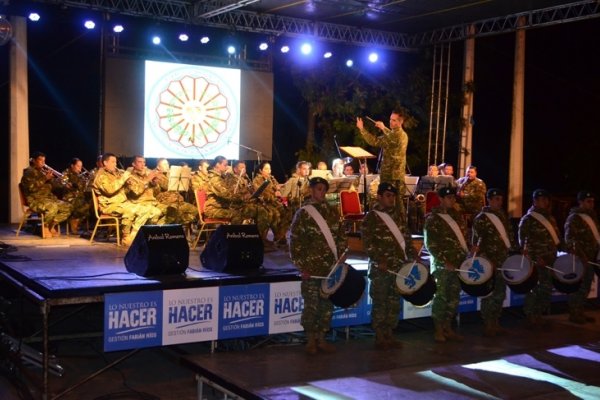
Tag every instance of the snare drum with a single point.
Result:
(415, 283)
(519, 273)
(567, 273)
(477, 276)
(344, 287)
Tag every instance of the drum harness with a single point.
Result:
(499, 227)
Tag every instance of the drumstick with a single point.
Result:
(508, 269)
(593, 263)
(336, 264)
(397, 274)
(523, 255)
(554, 269)
(474, 254)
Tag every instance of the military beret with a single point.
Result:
(584, 194)
(494, 192)
(386, 187)
(445, 191)
(316, 180)
(540, 193)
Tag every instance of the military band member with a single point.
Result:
(109, 186)
(296, 189)
(388, 245)
(200, 177)
(279, 216)
(37, 186)
(471, 192)
(140, 189)
(582, 238)
(184, 213)
(314, 249)
(74, 193)
(539, 236)
(393, 143)
(444, 232)
(494, 238)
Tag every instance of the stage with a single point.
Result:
(69, 273)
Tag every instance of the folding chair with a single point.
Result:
(104, 220)
(350, 208)
(28, 214)
(206, 224)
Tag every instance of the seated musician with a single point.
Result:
(74, 193)
(186, 213)
(37, 183)
(296, 189)
(109, 186)
(140, 189)
(224, 201)
(280, 216)
(200, 177)
(337, 168)
(428, 182)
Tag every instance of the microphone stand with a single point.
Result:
(337, 146)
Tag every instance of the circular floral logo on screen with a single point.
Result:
(192, 112)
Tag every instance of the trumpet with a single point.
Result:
(63, 179)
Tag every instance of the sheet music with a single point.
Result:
(179, 178)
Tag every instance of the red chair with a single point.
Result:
(206, 224)
(28, 214)
(431, 200)
(350, 208)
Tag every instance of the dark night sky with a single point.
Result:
(562, 103)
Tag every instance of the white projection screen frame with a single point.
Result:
(125, 105)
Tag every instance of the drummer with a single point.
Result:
(388, 244)
(582, 239)
(444, 232)
(539, 237)
(494, 239)
(317, 244)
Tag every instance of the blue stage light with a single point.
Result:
(327, 54)
(231, 49)
(373, 57)
(204, 39)
(285, 49)
(156, 40)
(118, 28)
(263, 46)
(306, 48)
(349, 63)
(34, 17)
(89, 24)
(183, 37)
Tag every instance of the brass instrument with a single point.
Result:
(63, 179)
(420, 198)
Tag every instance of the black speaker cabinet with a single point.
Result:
(233, 249)
(158, 250)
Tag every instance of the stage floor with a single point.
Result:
(557, 363)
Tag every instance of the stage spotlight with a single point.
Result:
(156, 40)
(118, 28)
(373, 57)
(204, 39)
(34, 17)
(306, 48)
(327, 54)
(89, 24)
(183, 37)
(349, 63)
(231, 49)
(285, 49)
(263, 46)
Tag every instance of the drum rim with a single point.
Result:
(491, 273)
(331, 290)
(411, 291)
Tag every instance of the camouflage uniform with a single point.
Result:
(199, 181)
(140, 191)
(279, 216)
(112, 199)
(540, 248)
(393, 164)
(222, 202)
(75, 194)
(38, 192)
(295, 190)
(493, 248)
(380, 244)
(472, 197)
(445, 248)
(579, 238)
(310, 252)
(179, 211)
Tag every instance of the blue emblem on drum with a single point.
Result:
(415, 275)
(335, 278)
(475, 271)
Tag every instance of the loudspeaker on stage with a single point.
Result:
(158, 250)
(233, 249)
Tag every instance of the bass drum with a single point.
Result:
(476, 276)
(344, 287)
(519, 273)
(567, 273)
(415, 283)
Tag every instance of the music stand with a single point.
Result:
(338, 184)
(179, 178)
(360, 154)
(260, 190)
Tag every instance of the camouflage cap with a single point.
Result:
(585, 194)
(540, 193)
(445, 191)
(316, 180)
(386, 187)
(494, 192)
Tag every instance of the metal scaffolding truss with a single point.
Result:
(192, 12)
(525, 20)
